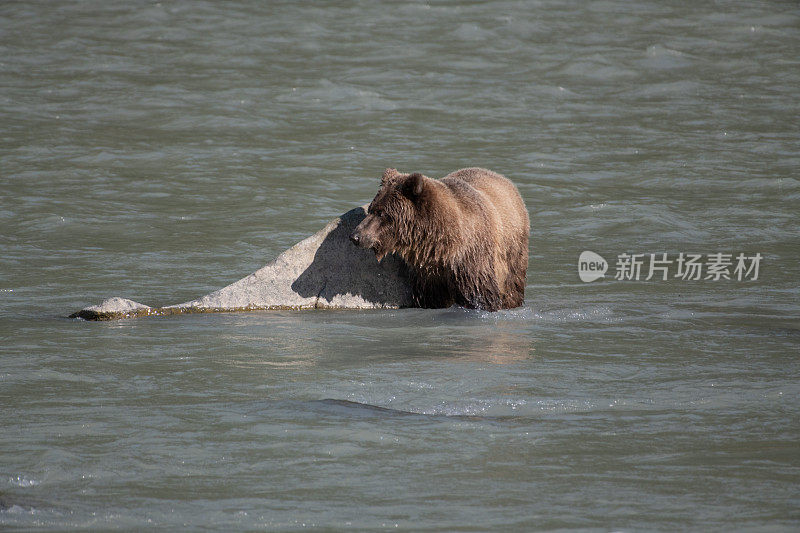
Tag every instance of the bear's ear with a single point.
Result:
(389, 174)
(414, 185)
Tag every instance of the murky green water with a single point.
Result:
(159, 151)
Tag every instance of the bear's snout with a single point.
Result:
(355, 238)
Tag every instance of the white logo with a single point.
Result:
(690, 266)
(591, 266)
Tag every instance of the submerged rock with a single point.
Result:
(324, 271)
(113, 308)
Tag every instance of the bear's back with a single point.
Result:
(503, 196)
(506, 223)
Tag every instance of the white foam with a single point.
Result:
(22, 481)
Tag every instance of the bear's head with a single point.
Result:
(391, 215)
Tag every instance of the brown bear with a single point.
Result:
(464, 236)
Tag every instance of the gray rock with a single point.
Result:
(324, 271)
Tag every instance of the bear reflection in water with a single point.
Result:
(464, 237)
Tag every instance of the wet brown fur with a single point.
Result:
(464, 236)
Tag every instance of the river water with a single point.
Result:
(159, 151)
